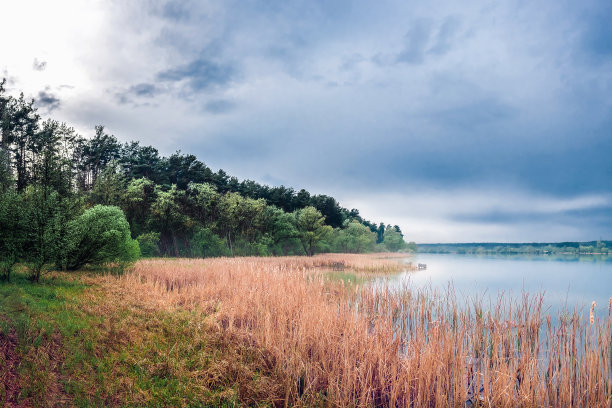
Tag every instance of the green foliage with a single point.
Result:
(354, 238)
(43, 222)
(412, 247)
(12, 232)
(311, 228)
(282, 232)
(206, 243)
(203, 201)
(149, 244)
(5, 170)
(101, 234)
(136, 202)
(109, 187)
(167, 218)
(66, 210)
(393, 239)
(175, 205)
(85, 346)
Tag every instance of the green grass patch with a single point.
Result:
(348, 278)
(81, 343)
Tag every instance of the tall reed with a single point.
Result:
(345, 345)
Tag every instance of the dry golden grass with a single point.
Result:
(325, 343)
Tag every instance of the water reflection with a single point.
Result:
(567, 281)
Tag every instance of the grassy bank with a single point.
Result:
(85, 340)
(284, 332)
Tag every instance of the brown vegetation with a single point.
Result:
(315, 341)
(9, 361)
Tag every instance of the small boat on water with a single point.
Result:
(422, 266)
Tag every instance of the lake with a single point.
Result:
(565, 280)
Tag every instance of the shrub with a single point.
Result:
(101, 234)
(205, 243)
(149, 244)
(12, 234)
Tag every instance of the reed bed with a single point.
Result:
(342, 345)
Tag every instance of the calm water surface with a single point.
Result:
(566, 281)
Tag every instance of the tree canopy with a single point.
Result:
(69, 200)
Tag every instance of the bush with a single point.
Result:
(394, 240)
(12, 234)
(101, 234)
(42, 218)
(149, 244)
(205, 243)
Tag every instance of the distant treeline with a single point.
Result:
(175, 205)
(588, 247)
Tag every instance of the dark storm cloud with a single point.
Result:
(201, 74)
(47, 100)
(142, 90)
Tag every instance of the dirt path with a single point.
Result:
(8, 369)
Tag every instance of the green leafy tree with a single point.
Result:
(393, 241)
(149, 244)
(181, 169)
(282, 230)
(137, 199)
(66, 210)
(250, 219)
(203, 200)
(6, 179)
(206, 243)
(227, 223)
(360, 238)
(140, 161)
(311, 228)
(168, 218)
(20, 124)
(380, 233)
(331, 210)
(101, 234)
(109, 187)
(42, 218)
(5, 116)
(98, 153)
(12, 232)
(47, 165)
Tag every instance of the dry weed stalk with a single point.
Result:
(342, 345)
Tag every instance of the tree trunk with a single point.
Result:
(175, 244)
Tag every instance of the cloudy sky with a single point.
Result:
(459, 121)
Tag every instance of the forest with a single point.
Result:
(534, 248)
(68, 201)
